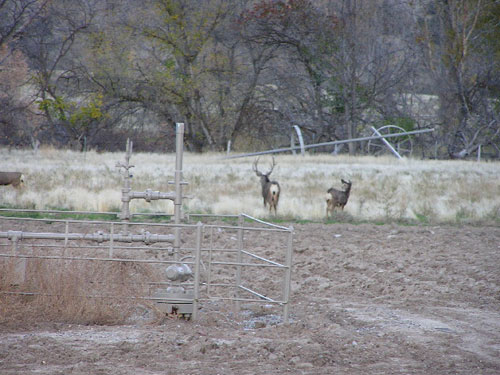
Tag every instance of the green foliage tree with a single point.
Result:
(49, 43)
(188, 60)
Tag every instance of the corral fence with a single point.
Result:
(175, 266)
(246, 262)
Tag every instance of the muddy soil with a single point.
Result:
(366, 299)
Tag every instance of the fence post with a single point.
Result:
(238, 260)
(126, 189)
(19, 263)
(179, 144)
(66, 232)
(209, 270)
(197, 261)
(111, 232)
(288, 276)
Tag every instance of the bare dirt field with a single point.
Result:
(366, 299)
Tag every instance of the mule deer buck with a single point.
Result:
(270, 189)
(337, 198)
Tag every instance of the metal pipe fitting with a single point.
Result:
(179, 272)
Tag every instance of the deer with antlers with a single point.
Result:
(270, 189)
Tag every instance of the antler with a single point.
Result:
(272, 167)
(255, 168)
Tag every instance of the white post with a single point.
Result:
(179, 145)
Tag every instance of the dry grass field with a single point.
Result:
(383, 189)
(405, 281)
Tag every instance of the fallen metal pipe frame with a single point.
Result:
(315, 145)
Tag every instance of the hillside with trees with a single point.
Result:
(91, 73)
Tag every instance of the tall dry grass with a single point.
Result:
(71, 292)
(383, 188)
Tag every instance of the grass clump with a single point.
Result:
(69, 292)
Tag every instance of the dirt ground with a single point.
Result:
(366, 299)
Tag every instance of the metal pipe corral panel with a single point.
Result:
(99, 236)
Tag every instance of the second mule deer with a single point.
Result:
(15, 179)
(270, 189)
(337, 198)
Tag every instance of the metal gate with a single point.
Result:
(137, 260)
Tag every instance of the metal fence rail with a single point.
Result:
(102, 242)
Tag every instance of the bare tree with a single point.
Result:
(17, 118)
(17, 15)
(459, 54)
